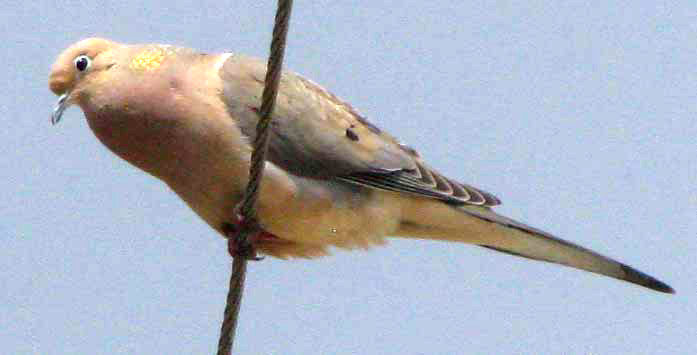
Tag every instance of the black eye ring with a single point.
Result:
(82, 62)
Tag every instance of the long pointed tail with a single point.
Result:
(522, 240)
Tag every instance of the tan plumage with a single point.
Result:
(333, 178)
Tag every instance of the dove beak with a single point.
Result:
(62, 104)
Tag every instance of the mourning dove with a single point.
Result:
(332, 178)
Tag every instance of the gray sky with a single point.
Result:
(580, 117)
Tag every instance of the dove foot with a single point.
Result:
(246, 249)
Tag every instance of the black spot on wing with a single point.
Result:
(350, 134)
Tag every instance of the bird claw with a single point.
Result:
(244, 249)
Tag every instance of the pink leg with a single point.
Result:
(256, 235)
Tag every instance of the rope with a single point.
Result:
(232, 306)
(256, 172)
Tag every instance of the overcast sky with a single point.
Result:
(581, 117)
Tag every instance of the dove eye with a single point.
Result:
(82, 62)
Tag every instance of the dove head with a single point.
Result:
(78, 68)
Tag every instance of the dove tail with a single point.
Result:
(483, 227)
(528, 242)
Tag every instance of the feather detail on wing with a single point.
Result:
(317, 135)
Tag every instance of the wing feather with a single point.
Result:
(317, 135)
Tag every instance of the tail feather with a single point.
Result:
(525, 241)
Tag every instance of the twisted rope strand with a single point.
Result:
(256, 172)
